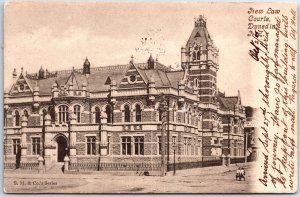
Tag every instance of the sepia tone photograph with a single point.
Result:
(150, 97)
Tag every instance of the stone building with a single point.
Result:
(251, 128)
(109, 118)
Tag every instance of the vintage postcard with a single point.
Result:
(150, 97)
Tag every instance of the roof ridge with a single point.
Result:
(78, 70)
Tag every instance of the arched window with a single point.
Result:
(138, 113)
(160, 114)
(126, 113)
(17, 118)
(26, 113)
(196, 82)
(63, 114)
(97, 115)
(189, 117)
(51, 112)
(194, 55)
(198, 55)
(108, 112)
(77, 113)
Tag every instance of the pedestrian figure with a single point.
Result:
(240, 174)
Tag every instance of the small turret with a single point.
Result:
(15, 74)
(41, 73)
(86, 66)
(151, 63)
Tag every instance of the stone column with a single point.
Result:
(228, 159)
(103, 134)
(66, 163)
(48, 144)
(72, 141)
(223, 160)
(41, 166)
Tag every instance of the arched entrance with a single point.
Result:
(62, 145)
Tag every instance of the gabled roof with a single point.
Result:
(228, 103)
(96, 81)
(199, 34)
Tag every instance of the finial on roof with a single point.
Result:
(200, 21)
(14, 73)
(131, 60)
(21, 69)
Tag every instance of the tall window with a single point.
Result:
(108, 112)
(16, 146)
(97, 115)
(77, 113)
(26, 113)
(108, 145)
(63, 113)
(127, 113)
(51, 113)
(185, 146)
(138, 113)
(139, 145)
(36, 146)
(160, 114)
(194, 55)
(126, 145)
(198, 55)
(17, 118)
(91, 145)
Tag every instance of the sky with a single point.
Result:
(59, 36)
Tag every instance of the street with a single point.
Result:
(218, 179)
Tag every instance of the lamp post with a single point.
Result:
(6, 107)
(174, 164)
(246, 144)
(163, 107)
(100, 129)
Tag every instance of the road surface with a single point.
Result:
(219, 179)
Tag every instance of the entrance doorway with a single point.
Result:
(61, 148)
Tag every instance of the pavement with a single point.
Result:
(217, 179)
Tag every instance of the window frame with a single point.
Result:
(139, 145)
(126, 145)
(17, 118)
(97, 115)
(16, 147)
(127, 113)
(109, 115)
(77, 112)
(63, 113)
(91, 148)
(138, 113)
(36, 145)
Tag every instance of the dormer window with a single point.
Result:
(108, 81)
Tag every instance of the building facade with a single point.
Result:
(110, 118)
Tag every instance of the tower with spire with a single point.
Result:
(200, 58)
